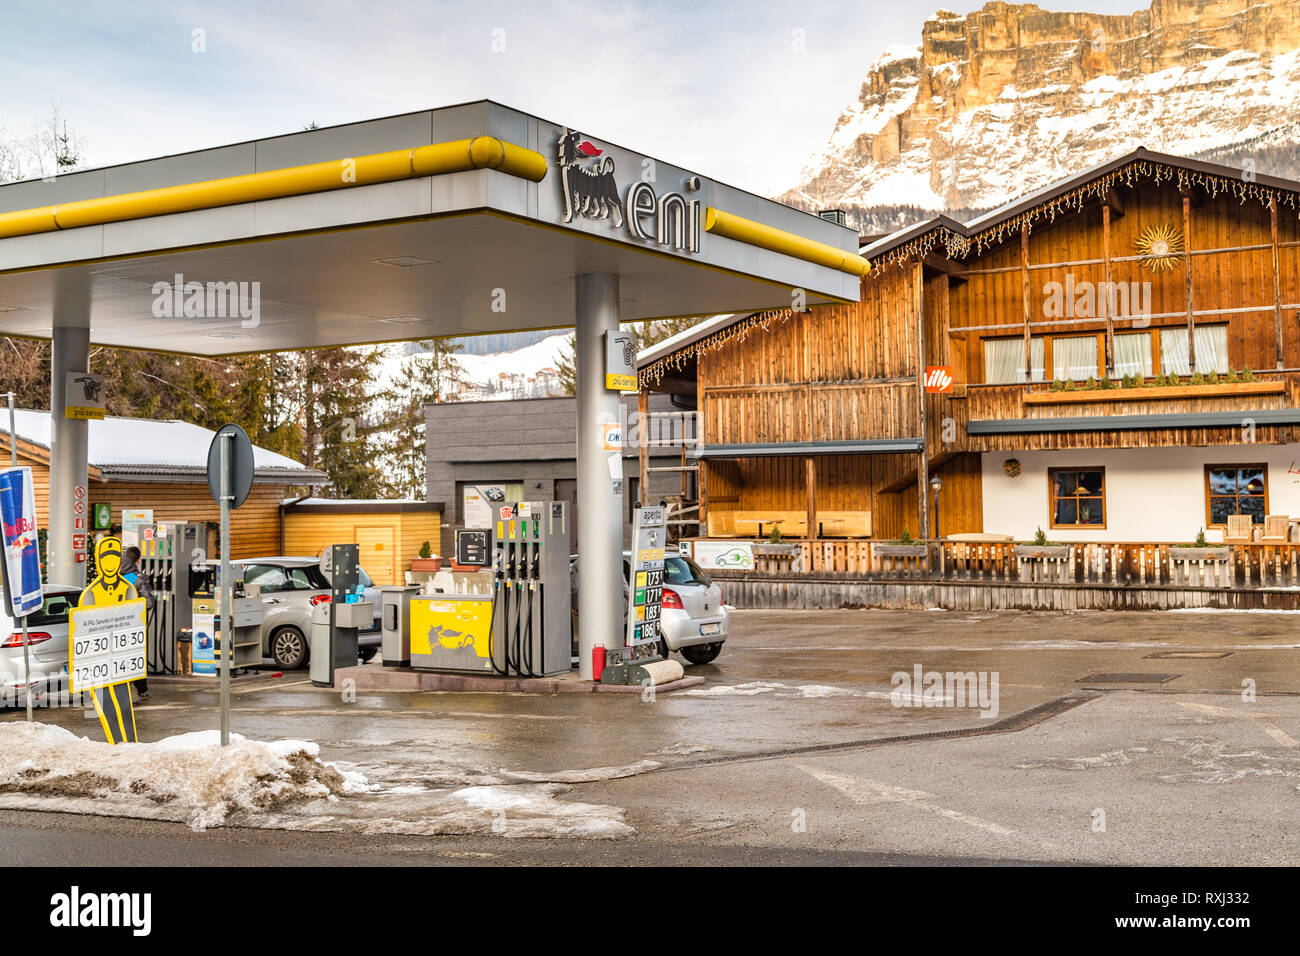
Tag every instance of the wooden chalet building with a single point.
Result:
(1113, 360)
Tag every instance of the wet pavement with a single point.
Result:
(1174, 769)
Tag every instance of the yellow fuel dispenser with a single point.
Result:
(523, 627)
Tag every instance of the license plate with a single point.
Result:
(708, 630)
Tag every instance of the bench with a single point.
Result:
(844, 524)
(757, 524)
(793, 524)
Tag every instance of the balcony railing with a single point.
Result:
(1270, 389)
(1120, 564)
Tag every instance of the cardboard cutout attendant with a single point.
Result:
(112, 703)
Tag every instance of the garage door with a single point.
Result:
(376, 547)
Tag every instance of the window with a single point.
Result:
(1133, 354)
(1004, 360)
(1211, 350)
(1078, 497)
(268, 577)
(1074, 358)
(1236, 490)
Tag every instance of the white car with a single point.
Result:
(692, 616)
(47, 635)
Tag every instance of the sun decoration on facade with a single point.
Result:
(1162, 247)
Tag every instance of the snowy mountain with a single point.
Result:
(1004, 100)
(531, 371)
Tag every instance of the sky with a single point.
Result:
(742, 92)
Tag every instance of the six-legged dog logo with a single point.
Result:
(588, 190)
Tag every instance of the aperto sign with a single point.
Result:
(597, 187)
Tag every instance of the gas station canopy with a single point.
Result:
(463, 220)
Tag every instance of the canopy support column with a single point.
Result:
(70, 352)
(601, 599)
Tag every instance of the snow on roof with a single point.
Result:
(142, 442)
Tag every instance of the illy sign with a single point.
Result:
(938, 378)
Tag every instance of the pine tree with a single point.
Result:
(568, 366)
(339, 437)
(425, 377)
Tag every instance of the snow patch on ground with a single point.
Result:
(1111, 758)
(191, 779)
(800, 691)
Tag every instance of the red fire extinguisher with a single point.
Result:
(597, 662)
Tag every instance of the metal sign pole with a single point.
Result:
(27, 663)
(227, 630)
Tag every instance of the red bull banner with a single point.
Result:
(22, 564)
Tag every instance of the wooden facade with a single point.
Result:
(939, 297)
(388, 533)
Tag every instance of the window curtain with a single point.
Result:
(1211, 350)
(1074, 358)
(1133, 354)
(1004, 360)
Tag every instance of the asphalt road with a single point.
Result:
(1177, 769)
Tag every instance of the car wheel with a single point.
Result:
(289, 648)
(702, 653)
(367, 654)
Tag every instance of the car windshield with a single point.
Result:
(682, 570)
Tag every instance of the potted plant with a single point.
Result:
(1042, 549)
(904, 546)
(775, 545)
(427, 561)
(1200, 550)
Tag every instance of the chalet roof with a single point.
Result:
(957, 240)
(143, 449)
(1215, 176)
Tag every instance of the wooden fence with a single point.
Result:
(1119, 564)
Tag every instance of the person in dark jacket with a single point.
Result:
(130, 570)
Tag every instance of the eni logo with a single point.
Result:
(589, 189)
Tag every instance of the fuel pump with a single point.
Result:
(163, 562)
(531, 630)
(522, 628)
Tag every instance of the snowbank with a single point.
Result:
(189, 778)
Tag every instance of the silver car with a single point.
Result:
(291, 587)
(47, 635)
(692, 617)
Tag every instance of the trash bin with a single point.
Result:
(319, 659)
(395, 621)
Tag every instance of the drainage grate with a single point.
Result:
(1135, 678)
(1187, 655)
(1020, 721)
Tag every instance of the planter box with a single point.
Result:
(1199, 554)
(426, 564)
(775, 550)
(1153, 394)
(1058, 552)
(901, 550)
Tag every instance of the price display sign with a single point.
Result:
(646, 589)
(106, 645)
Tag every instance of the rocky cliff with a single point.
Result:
(997, 102)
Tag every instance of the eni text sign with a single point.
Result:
(106, 644)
